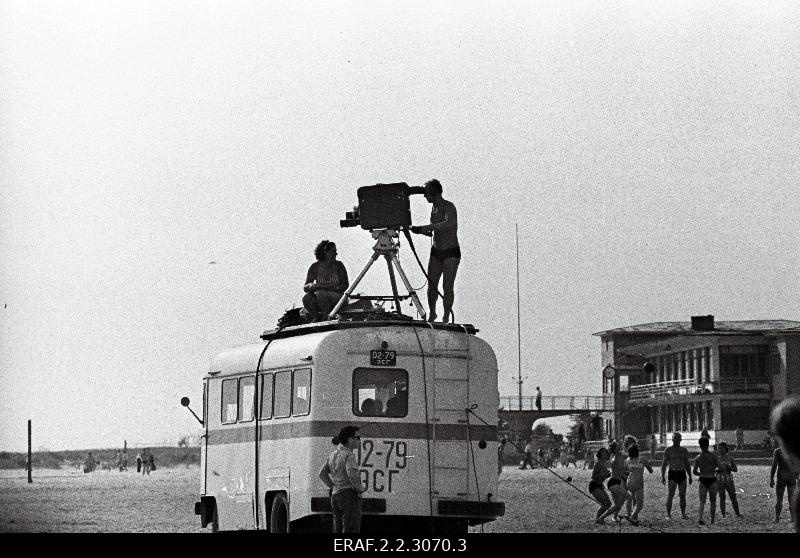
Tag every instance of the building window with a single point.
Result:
(302, 392)
(282, 404)
(229, 401)
(380, 392)
(247, 398)
(266, 396)
(745, 414)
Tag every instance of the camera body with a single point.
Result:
(382, 206)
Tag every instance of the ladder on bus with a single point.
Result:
(450, 399)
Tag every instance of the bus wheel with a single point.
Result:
(215, 520)
(279, 516)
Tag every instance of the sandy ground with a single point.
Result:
(69, 501)
(536, 501)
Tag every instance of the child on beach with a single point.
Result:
(636, 466)
(727, 466)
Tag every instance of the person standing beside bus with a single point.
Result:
(326, 282)
(340, 474)
(445, 250)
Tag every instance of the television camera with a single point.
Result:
(383, 209)
(382, 206)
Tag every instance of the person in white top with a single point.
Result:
(636, 467)
(340, 474)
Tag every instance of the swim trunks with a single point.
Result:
(613, 482)
(594, 485)
(707, 481)
(442, 255)
(677, 477)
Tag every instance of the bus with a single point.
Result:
(424, 397)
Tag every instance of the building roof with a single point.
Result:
(745, 326)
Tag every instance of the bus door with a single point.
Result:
(236, 493)
(449, 430)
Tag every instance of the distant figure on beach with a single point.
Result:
(538, 399)
(146, 462)
(90, 464)
(138, 462)
(653, 446)
(119, 460)
(151, 462)
(739, 439)
(500, 448)
(125, 460)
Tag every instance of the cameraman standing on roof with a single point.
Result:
(445, 251)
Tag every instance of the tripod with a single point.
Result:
(386, 247)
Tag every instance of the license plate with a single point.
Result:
(383, 358)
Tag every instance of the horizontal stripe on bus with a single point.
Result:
(329, 429)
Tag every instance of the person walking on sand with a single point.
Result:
(538, 399)
(528, 459)
(138, 462)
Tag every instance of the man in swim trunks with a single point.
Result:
(445, 251)
(679, 471)
(705, 467)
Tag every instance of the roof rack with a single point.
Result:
(385, 319)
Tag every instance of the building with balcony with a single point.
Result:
(683, 376)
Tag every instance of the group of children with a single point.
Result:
(714, 472)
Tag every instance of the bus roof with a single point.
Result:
(334, 325)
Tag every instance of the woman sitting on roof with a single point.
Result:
(326, 282)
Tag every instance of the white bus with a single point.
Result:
(424, 397)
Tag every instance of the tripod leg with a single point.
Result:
(414, 297)
(394, 284)
(353, 285)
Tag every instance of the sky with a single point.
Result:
(646, 151)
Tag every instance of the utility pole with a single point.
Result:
(519, 339)
(30, 461)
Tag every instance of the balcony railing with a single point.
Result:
(690, 386)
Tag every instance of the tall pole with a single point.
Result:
(519, 339)
(30, 463)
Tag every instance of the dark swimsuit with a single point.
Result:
(677, 476)
(442, 255)
(707, 481)
(613, 482)
(594, 485)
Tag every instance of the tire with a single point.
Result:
(279, 514)
(215, 520)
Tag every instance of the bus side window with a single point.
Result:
(247, 398)
(229, 400)
(266, 396)
(302, 392)
(282, 404)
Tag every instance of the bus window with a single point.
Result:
(379, 392)
(266, 396)
(281, 406)
(247, 396)
(229, 394)
(302, 391)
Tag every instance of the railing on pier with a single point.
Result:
(577, 403)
